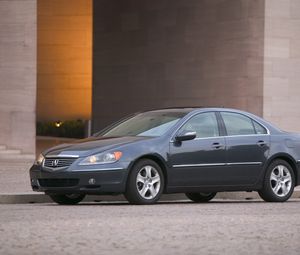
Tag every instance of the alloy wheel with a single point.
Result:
(281, 180)
(148, 182)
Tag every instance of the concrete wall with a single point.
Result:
(64, 59)
(149, 54)
(18, 74)
(282, 64)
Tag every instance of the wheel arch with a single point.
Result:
(289, 159)
(158, 160)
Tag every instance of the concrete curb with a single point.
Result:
(27, 198)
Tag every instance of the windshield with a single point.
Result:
(145, 124)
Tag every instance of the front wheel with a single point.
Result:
(67, 199)
(201, 197)
(145, 183)
(279, 182)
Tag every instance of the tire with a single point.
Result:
(201, 197)
(279, 182)
(145, 183)
(67, 199)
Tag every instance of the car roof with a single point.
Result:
(196, 108)
(174, 109)
(188, 109)
(192, 110)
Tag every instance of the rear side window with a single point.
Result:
(238, 124)
(204, 124)
(259, 128)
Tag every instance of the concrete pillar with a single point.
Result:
(18, 74)
(149, 54)
(282, 63)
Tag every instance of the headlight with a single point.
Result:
(39, 159)
(102, 158)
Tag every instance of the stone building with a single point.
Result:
(103, 59)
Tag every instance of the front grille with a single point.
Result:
(56, 183)
(58, 162)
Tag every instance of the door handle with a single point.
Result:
(217, 146)
(261, 143)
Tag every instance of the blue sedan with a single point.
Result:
(196, 151)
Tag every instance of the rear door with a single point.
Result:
(248, 144)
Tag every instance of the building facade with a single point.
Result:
(145, 54)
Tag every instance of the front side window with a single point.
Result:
(204, 124)
(238, 124)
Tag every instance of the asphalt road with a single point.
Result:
(219, 227)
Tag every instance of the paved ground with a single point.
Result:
(236, 227)
(14, 177)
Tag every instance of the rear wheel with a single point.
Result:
(145, 183)
(279, 182)
(201, 197)
(67, 199)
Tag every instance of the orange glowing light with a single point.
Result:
(118, 155)
(58, 124)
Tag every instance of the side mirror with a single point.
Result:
(185, 136)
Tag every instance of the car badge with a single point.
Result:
(55, 162)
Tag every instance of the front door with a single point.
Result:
(201, 161)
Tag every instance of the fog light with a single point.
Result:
(92, 181)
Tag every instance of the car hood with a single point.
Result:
(91, 145)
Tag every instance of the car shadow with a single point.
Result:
(185, 202)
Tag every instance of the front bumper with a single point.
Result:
(88, 181)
